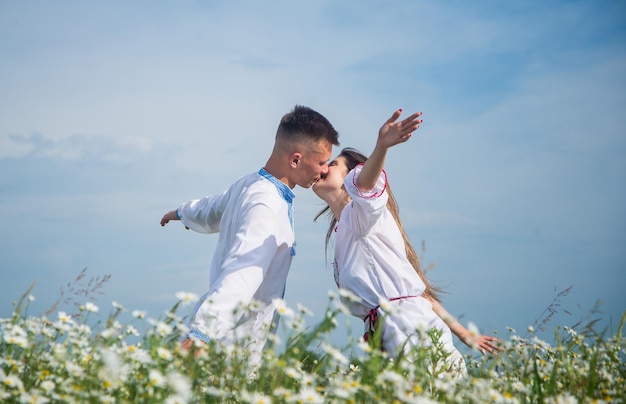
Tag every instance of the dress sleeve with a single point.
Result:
(375, 197)
(367, 205)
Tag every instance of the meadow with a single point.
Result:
(70, 355)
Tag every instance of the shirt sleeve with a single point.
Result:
(203, 215)
(244, 267)
(367, 206)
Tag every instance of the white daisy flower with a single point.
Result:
(64, 317)
(348, 295)
(335, 354)
(282, 309)
(310, 395)
(180, 384)
(474, 335)
(156, 378)
(164, 353)
(187, 298)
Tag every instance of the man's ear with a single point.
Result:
(295, 159)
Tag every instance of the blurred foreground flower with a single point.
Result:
(90, 307)
(187, 298)
(282, 309)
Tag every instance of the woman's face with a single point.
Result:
(332, 183)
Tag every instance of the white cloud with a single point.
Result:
(12, 147)
(75, 147)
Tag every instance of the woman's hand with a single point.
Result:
(484, 343)
(392, 132)
(488, 343)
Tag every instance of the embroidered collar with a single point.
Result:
(283, 189)
(288, 195)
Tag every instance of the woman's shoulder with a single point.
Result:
(350, 183)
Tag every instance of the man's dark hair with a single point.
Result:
(305, 123)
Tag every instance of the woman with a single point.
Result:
(373, 256)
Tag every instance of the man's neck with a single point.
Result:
(275, 170)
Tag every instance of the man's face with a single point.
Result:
(332, 182)
(313, 163)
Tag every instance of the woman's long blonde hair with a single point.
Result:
(354, 158)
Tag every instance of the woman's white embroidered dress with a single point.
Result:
(370, 261)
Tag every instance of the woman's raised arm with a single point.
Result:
(390, 134)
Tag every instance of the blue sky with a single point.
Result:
(112, 113)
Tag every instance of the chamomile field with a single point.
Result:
(74, 353)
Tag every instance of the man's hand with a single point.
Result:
(171, 215)
(190, 345)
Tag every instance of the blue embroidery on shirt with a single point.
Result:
(194, 334)
(287, 194)
(283, 189)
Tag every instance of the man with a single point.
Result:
(256, 237)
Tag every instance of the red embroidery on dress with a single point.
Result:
(356, 175)
(372, 316)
